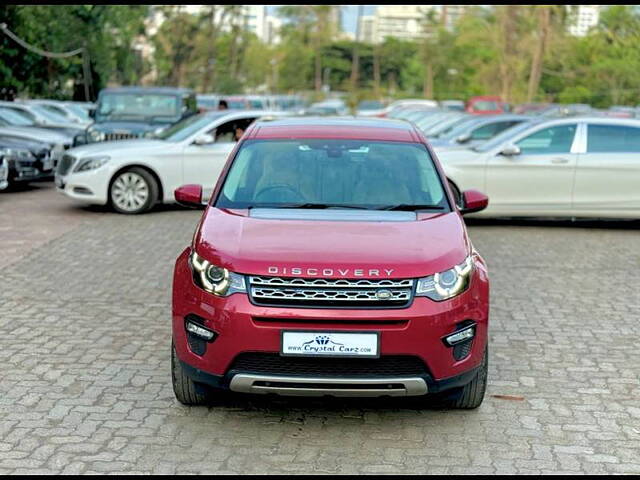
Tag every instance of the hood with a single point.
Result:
(454, 155)
(38, 134)
(128, 126)
(117, 146)
(335, 248)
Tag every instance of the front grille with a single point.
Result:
(330, 293)
(65, 164)
(274, 364)
(119, 136)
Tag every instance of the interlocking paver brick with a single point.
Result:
(83, 388)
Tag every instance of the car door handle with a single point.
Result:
(559, 160)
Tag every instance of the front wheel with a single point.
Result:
(133, 191)
(473, 392)
(186, 390)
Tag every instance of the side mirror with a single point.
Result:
(92, 113)
(473, 201)
(510, 150)
(204, 139)
(189, 195)
(464, 138)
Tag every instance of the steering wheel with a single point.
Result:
(284, 188)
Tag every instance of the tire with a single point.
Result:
(473, 392)
(186, 390)
(133, 191)
(456, 194)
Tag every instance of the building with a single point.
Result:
(272, 30)
(407, 22)
(584, 17)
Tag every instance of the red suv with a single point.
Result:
(487, 105)
(331, 259)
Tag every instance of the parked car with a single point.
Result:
(370, 108)
(566, 167)
(62, 109)
(455, 105)
(297, 282)
(327, 108)
(4, 172)
(25, 160)
(56, 141)
(20, 115)
(486, 105)
(474, 130)
(531, 108)
(41, 116)
(408, 102)
(207, 102)
(136, 112)
(133, 175)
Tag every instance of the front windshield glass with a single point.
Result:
(79, 111)
(370, 105)
(15, 118)
(138, 106)
(462, 125)
(319, 173)
(501, 138)
(49, 115)
(187, 127)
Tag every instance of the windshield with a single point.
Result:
(49, 115)
(79, 111)
(487, 105)
(462, 125)
(501, 138)
(138, 106)
(370, 105)
(15, 118)
(187, 127)
(318, 173)
(443, 124)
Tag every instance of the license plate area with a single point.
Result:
(314, 343)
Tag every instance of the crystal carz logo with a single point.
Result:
(324, 344)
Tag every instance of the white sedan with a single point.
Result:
(570, 167)
(133, 175)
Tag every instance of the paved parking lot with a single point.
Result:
(84, 355)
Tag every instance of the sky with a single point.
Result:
(349, 15)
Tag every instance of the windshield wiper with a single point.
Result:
(410, 208)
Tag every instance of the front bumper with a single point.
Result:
(87, 187)
(415, 331)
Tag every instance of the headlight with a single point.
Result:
(95, 135)
(447, 284)
(91, 163)
(17, 153)
(154, 133)
(214, 279)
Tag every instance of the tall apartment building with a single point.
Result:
(585, 17)
(406, 21)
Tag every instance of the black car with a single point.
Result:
(26, 160)
(134, 112)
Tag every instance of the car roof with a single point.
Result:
(356, 128)
(158, 90)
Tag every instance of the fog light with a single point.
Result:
(460, 336)
(199, 331)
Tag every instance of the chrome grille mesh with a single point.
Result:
(120, 136)
(65, 164)
(328, 293)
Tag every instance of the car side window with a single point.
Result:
(485, 132)
(612, 138)
(231, 131)
(548, 140)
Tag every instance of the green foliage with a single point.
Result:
(107, 31)
(489, 51)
